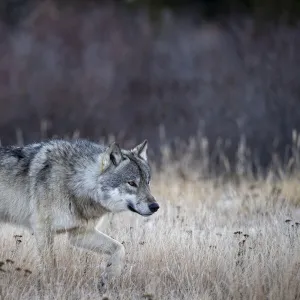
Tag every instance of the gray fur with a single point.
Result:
(68, 186)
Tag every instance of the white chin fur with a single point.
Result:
(140, 211)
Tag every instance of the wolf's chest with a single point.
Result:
(63, 219)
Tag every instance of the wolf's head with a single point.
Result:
(124, 180)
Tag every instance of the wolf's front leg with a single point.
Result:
(45, 242)
(47, 265)
(45, 245)
(97, 241)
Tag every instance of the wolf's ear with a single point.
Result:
(141, 150)
(112, 155)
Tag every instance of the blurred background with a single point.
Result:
(223, 72)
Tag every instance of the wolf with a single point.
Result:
(68, 186)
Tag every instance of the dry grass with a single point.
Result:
(208, 241)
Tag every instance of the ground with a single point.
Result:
(209, 240)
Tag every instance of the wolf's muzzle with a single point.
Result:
(153, 207)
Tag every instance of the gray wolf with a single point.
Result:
(63, 186)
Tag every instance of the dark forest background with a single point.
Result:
(167, 71)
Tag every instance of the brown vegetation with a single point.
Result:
(209, 240)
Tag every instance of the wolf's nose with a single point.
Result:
(153, 207)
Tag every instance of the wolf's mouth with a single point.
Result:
(131, 208)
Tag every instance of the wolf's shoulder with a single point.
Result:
(78, 147)
(71, 146)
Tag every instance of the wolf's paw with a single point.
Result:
(103, 283)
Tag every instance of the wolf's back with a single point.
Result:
(15, 162)
(14, 183)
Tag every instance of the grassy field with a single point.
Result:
(209, 240)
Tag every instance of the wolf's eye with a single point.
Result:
(132, 183)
